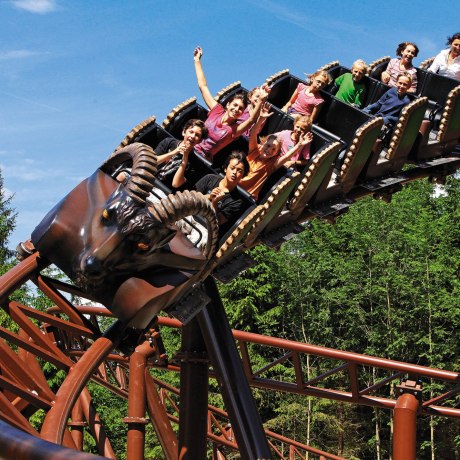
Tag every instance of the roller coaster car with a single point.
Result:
(441, 131)
(389, 160)
(125, 251)
(374, 87)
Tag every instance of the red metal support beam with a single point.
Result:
(136, 419)
(159, 417)
(405, 421)
(55, 421)
(78, 425)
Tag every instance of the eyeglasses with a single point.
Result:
(320, 82)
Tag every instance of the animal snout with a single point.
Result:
(92, 266)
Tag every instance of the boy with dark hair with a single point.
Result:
(222, 191)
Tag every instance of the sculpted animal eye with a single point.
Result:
(105, 214)
(143, 246)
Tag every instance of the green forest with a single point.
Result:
(383, 281)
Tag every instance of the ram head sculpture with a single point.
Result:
(122, 248)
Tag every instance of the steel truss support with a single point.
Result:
(226, 362)
(193, 406)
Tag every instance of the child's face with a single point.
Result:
(235, 171)
(270, 148)
(409, 53)
(318, 82)
(255, 96)
(403, 84)
(357, 72)
(192, 135)
(299, 129)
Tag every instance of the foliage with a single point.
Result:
(382, 281)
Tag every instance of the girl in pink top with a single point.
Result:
(222, 122)
(289, 139)
(306, 99)
(407, 51)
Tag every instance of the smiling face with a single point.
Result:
(300, 128)
(270, 148)
(403, 84)
(408, 53)
(192, 135)
(254, 97)
(234, 172)
(234, 109)
(357, 72)
(455, 47)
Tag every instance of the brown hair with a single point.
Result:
(241, 96)
(451, 39)
(200, 124)
(402, 46)
(241, 157)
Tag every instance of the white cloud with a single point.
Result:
(19, 54)
(316, 25)
(36, 6)
(27, 171)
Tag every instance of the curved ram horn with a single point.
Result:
(176, 206)
(143, 170)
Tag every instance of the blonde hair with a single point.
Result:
(305, 119)
(323, 74)
(360, 63)
(405, 74)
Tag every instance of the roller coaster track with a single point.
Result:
(70, 338)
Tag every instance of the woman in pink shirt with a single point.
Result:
(306, 99)
(222, 122)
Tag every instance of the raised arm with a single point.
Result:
(202, 83)
(303, 141)
(258, 110)
(264, 114)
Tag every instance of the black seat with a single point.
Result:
(340, 118)
(152, 136)
(282, 90)
(378, 69)
(175, 121)
(436, 88)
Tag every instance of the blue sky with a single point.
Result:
(77, 75)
